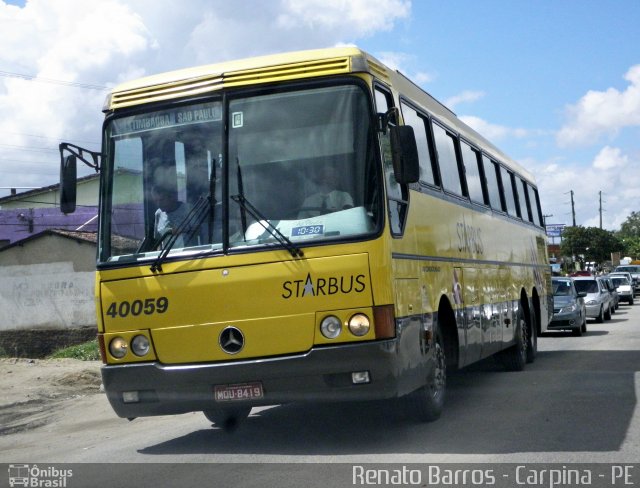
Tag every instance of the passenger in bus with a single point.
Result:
(327, 197)
(170, 214)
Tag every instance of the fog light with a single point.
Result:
(118, 347)
(130, 397)
(140, 345)
(359, 324)
(360, 377)
(331, 327)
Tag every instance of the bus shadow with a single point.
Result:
(558, 404)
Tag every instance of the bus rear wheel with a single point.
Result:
(227, 418)
(428, 402)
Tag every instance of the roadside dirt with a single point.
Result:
(32, 389)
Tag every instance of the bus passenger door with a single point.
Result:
(470, 281)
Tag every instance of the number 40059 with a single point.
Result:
(148, 306)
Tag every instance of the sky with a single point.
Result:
(554, 84)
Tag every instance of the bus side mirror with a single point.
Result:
(68, 178)
(404, 151)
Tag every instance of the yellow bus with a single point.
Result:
(304, 227)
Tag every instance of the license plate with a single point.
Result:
(232, 393)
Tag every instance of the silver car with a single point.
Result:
(614, 292)
(598, 300)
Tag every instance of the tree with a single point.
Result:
(629, 234)
(631, 226)
(593, 243)
(631, 246)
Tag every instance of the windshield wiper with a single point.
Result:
(247, 206)
(194, 217)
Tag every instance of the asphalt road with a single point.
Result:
(576, 404)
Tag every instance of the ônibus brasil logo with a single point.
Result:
(34, 476)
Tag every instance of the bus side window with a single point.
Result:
(525, 200)
(493, 188)
(508, 191)
(472, 172)
(447, 160)
(535, 205)
(419, 124)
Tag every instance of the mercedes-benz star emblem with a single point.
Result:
(231, 340)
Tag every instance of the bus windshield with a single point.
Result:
(214, 176)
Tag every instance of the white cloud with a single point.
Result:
(400, 61)
(609, 177)
(600, 113)
(464, 97)
(493, 132)
(360, 18)
(610, 158)
(110, 41)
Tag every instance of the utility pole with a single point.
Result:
(600, 209)
(573, 209)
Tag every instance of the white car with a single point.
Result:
(634, 270)
(624, 287)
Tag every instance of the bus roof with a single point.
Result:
(263, 69)
(288, 66)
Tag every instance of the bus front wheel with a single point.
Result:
(227, 418)
(428, 401)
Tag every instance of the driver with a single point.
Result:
(327, 197)
(170, 213)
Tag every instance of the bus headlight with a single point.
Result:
(140, 345)
(359, 324)
(331, 327)
(118, 347)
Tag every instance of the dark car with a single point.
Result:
(569, 310)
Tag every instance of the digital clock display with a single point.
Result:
(307, 231)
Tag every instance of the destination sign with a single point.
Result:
(196, 114)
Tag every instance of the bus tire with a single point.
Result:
(514, 358)
(227, 418)
(428, 402)
(532, 344)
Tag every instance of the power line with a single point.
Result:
(74, 84)
(23, 163)
(30, 148)
(50, 138)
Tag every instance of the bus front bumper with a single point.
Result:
(323, 374)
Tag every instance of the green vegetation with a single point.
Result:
(586, 244)
(629, 234)
(591, 242)
(85, 352)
